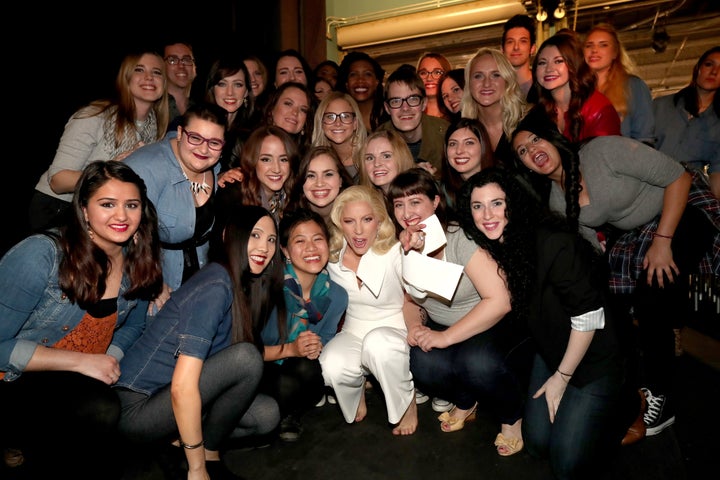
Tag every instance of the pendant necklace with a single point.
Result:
(196, 187)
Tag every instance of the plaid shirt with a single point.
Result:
(627, 254)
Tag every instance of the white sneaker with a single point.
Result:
(321, 402)
(420, 397)
(331, 400)
(440, 405)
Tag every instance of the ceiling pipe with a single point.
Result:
(465, 16)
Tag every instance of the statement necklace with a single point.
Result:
(196, 187)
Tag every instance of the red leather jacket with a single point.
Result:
(599, 118)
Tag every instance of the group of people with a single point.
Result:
(206, 266)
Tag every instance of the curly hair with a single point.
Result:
(362, 193)
(515, 253)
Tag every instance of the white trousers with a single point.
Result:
(384, 353)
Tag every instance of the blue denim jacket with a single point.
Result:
(34, 311)
(195, 321)
(169, 191)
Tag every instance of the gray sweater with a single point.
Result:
(625, 182)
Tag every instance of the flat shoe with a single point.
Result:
(511, 445)
(451, 424)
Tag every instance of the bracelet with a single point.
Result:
(662, 236)
(564, 374)
(192, 447)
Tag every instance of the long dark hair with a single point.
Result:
(85, 266)
(538, 123)
(582, 80)
(516, 253)
(254, 296)
(690, 94)
(243, 122)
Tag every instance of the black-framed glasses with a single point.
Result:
(197, 139)
(186, 60)
(345, 117)
(412, 101)
(437, 73)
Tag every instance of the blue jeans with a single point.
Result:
(587, 427)
(475, 370)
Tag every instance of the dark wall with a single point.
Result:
(68, 54)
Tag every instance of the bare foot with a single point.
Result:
(362, 408)
(409, 421)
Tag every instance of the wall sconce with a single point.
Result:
(559, 12)
(660, 40)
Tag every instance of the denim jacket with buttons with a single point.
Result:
(34, 310)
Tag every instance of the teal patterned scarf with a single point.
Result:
(305, 312)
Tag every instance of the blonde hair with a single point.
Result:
(401, 154)
(621, 68)
(512, 102)
(385, 239)
(358, 139)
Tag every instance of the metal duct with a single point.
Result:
(429, 22)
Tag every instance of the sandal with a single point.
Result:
(511, 445)
(448, 423)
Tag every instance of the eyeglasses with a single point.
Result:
(437, 73)
(412, 101)
(197, 139)
(174, 60)
(345, 117)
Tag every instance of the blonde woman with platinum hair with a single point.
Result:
(365, 259)
(492, 95)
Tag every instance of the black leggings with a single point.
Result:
(64, 423)
(228, 385)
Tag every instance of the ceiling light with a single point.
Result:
(541, 15)
(559, 12)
